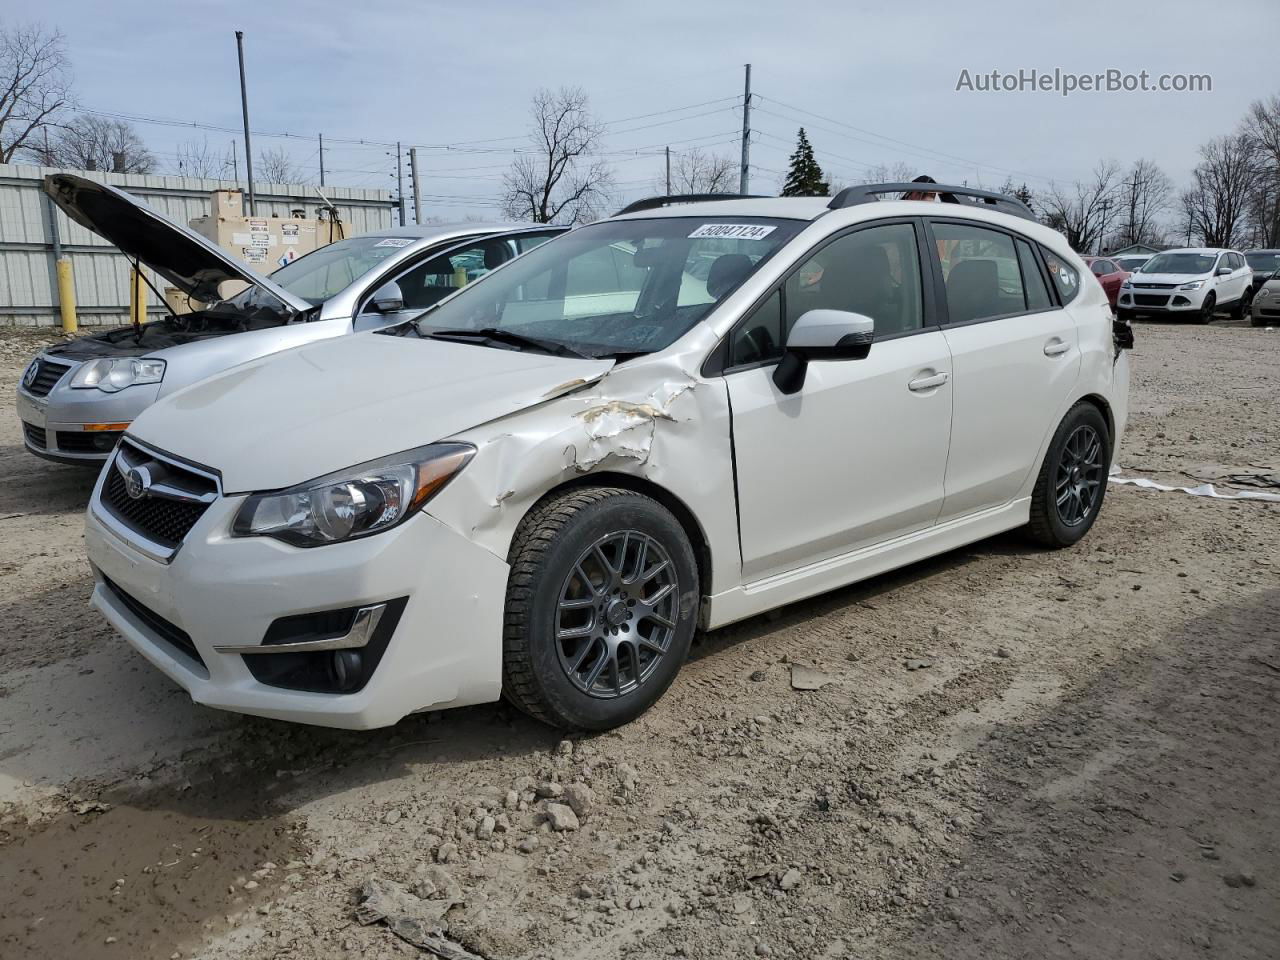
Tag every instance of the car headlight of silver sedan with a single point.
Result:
(111, 374)
(355, 502)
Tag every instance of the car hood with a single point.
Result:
(183, 257)
(1174, 278)
(306, 412)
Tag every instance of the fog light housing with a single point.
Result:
(1181, 302)
(323, 671)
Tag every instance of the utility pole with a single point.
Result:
(244, 109)
(744, 175)
(417, 191)
(668, 171)
(321, 159)
(400, 182)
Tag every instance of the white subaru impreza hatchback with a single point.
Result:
(669, 420)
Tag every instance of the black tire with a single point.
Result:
(1051, 524)
(1125, 316)
(1257, 320)
(1206, 309)
(552, 556)
(1242, 305)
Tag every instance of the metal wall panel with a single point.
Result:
(28, 283)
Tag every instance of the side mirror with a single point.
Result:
(388, 298)
(822, 335)
(1222, 272)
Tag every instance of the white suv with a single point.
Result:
(1195, 282)
(675, 418)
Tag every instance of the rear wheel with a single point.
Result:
(1206, 309)
(1242, 305)
(1073, 478)
(601, 608)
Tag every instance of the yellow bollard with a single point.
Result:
(67, 296)
(137, 299)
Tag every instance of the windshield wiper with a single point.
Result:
(507, 337)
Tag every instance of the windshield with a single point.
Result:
(1263, 262)
(1180, 263)
(324, 272)
(617, 287)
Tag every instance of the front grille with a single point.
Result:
(1156, 286)
(1149, 301)
(165, 513)
(88, 441)
(171, 633)
(36, 436)
(48, 373)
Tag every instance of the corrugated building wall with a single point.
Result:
(28, 281)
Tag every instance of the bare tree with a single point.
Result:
(1084, 212)
(1262, 126)
(561, 179)
(896, 172)
(35, 85)
(195, 158)
(1144, 194)
(276, 166)
(89, 142)
(1214, 208)
(696, 171)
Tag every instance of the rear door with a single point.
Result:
(857, 456)
(1015, 356)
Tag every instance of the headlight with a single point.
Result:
(1193, 285)
(111, 375)
(1127, 285)
(355, 502)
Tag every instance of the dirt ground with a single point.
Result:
(1013, 753)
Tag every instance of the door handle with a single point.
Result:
(927, 383)
(1056, 347)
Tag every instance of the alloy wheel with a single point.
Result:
(616, 615)
(1079, 479)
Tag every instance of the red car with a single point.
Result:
(1109, 274)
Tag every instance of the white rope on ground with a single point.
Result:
(1203, 490)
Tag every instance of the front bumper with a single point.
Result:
(221, 590)
(1266, 308)
(1161, 301)
(59, 426)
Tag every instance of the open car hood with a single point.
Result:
(183, 257)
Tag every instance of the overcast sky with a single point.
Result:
(438, 73)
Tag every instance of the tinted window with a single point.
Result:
(759, 336)
(1038, 297)
(432, 280)
(1063, 275)
(981, 272)
(1187, 263)
(1264, 262)
(875, 272)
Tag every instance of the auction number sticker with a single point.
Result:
(731, 231)
(394, 242)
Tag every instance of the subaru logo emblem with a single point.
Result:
(29, 377)
(137, 482)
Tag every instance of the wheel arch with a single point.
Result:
(1099, 401)
(679, 509)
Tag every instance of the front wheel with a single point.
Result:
(1206, 309)
(602, 604)
(1073, 478)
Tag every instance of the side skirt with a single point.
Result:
(834, 572)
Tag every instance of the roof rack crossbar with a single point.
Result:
(869, 193)
(654, 203)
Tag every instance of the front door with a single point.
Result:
(858, 455)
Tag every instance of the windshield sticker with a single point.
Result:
(394, 242)
(732, 231)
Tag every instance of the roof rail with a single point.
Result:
(868, 193)
(653, 203)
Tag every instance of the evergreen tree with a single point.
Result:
(805, 179)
